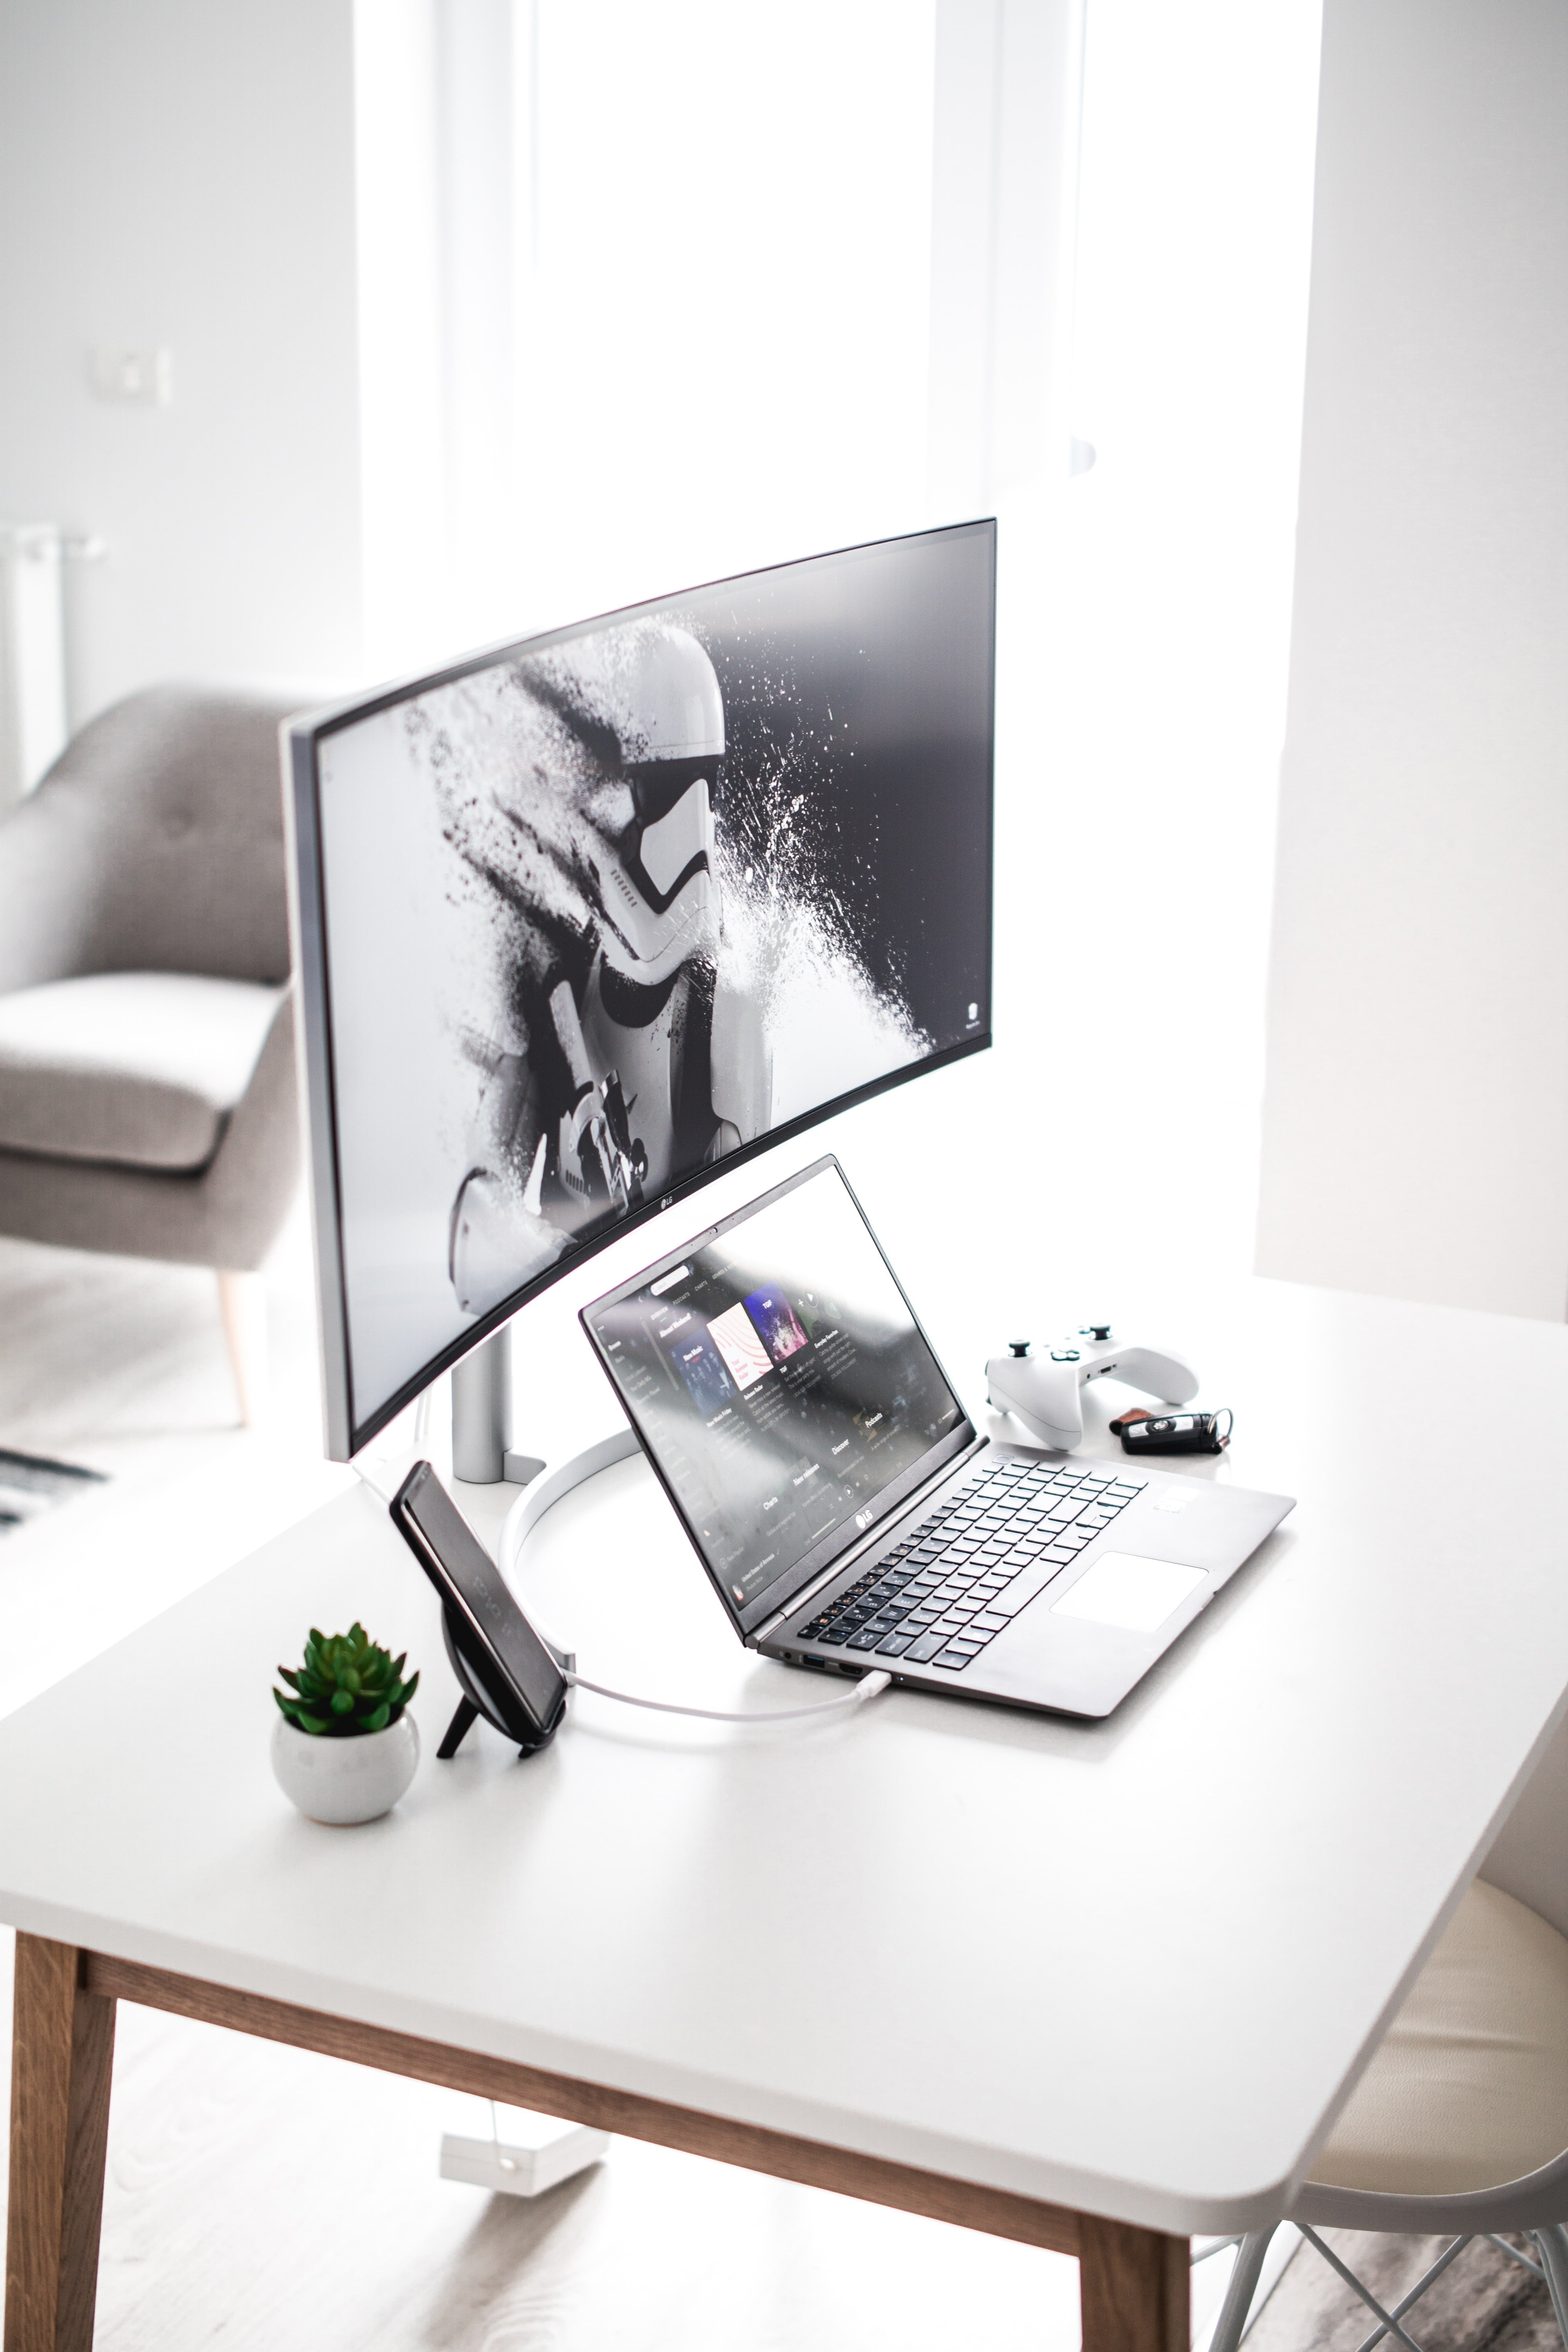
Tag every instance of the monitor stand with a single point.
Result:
(482, 1417)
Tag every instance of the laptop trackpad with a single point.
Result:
(1136, 1594)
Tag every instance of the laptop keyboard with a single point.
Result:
(965, 1572)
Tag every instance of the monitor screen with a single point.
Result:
(586, 914)
(780, 1387)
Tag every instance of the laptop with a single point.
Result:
(848, 1514)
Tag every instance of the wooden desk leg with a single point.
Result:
(1132, 2287)
(62, 2056)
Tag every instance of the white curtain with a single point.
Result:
(653, 293)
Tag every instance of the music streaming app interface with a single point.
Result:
(779, 1382)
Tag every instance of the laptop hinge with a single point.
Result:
(807, 1592)
(876, 1535)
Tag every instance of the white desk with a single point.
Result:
(1014, 1970)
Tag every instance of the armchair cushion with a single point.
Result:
(139, 1068)
(1468, 2088)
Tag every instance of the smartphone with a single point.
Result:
(519, 1674)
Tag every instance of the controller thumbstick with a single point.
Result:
(1018, 1346)
(1099, 1330)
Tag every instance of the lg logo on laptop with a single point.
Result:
(864, 1519)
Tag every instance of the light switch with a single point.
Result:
(133, 379)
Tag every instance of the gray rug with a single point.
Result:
(30, 1484)
(1482, 2303)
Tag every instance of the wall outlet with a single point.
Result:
(133, 379)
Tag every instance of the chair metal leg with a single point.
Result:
(1389, 2320)
(1239, 2295)
(1513, 2253)
(1552, 2245)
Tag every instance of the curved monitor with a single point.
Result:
(584, 917)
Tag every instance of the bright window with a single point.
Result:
(723, 337)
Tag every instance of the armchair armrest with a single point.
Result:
(48, 878)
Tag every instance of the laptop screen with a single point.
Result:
(779, 1384)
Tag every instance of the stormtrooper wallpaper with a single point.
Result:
(608, 907)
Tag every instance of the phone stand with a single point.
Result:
(479, 1698)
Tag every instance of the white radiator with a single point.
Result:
(32, 654)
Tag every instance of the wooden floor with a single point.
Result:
(119, 1365)
(260, 2198)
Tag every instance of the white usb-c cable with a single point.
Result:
(868, 1687)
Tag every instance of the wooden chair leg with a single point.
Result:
(1132, 2288)
(243, 1300)
(62, 2057)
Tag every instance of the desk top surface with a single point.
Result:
(1131, 1966)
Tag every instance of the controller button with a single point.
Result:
(1064, 1355)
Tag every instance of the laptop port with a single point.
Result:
(820, 1664)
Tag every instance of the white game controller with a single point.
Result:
(1043, 1390)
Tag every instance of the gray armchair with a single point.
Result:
(147, 1090)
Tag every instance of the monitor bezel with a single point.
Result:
(302, 737)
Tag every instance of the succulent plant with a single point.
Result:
(347, 1687)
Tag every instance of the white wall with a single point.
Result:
(1415, 1137)
(1104, 1156)
(179, 173)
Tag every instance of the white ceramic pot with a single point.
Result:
(343, 1780)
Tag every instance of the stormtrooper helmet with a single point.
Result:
(660, 695)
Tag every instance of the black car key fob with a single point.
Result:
(1174, 1433)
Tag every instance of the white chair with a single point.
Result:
(1460, 2123)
